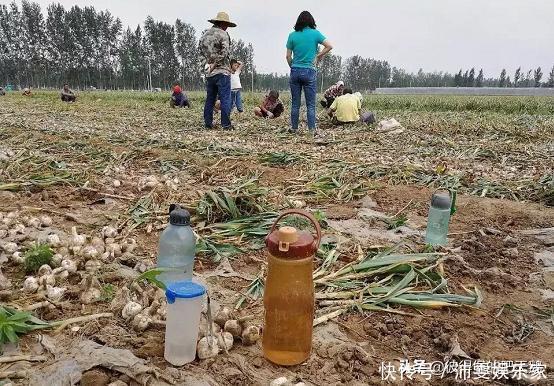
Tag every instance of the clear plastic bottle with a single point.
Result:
(177, 247)
(289, 294)
(439, 217)
(184, 305)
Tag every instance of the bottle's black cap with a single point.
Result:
(441, 200)
(178, 216)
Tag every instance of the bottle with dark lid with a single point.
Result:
(438, 219)
(177, 247)
(289, 292)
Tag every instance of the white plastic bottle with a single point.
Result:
(184, 305)
(177, 247)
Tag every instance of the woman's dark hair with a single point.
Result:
(305, 19)
(274, 94)
(347, 91)
(233, 61)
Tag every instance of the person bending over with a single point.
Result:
(178, 97)
(332, 93)
(67, 95)
(271, 106)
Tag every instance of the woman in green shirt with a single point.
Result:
(303, 56)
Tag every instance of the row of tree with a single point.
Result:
(90, 48)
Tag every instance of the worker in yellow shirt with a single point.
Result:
(346, 109)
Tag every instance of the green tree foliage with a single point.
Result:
(330, 70)
(471, 78)
(538, 76)
(502, 79)
(517, 77)
(551, 78)
(480, 78)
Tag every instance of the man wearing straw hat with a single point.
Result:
(215, 46)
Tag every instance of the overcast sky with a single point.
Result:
(443, 35)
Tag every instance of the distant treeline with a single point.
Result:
(89, 48)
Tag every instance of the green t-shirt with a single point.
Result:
(304, 47)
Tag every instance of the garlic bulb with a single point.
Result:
(18, 258)
(109, 232)
(54, 293)
(205, 350)
(57, 259)
(130, 310)
(99, 244)
(106, 258)
(92, 266)
(89, 252)
(30, 284)
(69, 265)
(233, 327)
(18, 228)
(92, 292)
(222, 316)
(141, 322)
(44, 269)
(53, 240)
(113, 249)
(64, 251)
(116, 183)
(149, 182)
(10, 247)
(77, 239)
(46, 221)
(250, 335)
(46, 280)
(128, 245)
(60, 273)
(33, 222)
(225, 341)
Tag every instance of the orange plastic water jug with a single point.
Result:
(289, 292)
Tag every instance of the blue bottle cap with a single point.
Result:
(183, 290)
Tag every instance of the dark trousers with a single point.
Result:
(179, 102)
(218, 86)
(327, 102)
(68, 98)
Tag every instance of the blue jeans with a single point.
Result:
(303, 78)
(236, 100)
(218, 86)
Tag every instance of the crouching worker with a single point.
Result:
(332, 93)
(178, 97)
(346, 109)
(67, 94)
(271, 107)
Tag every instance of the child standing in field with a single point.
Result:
(236, 87)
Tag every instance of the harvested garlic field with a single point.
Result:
(85, 190)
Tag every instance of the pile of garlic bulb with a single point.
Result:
(226, 331)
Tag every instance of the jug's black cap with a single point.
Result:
(441, 200)
(178, 216)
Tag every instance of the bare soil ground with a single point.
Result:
(62, 161)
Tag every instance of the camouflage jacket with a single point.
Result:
(215, 47)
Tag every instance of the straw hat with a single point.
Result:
(222, 17)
